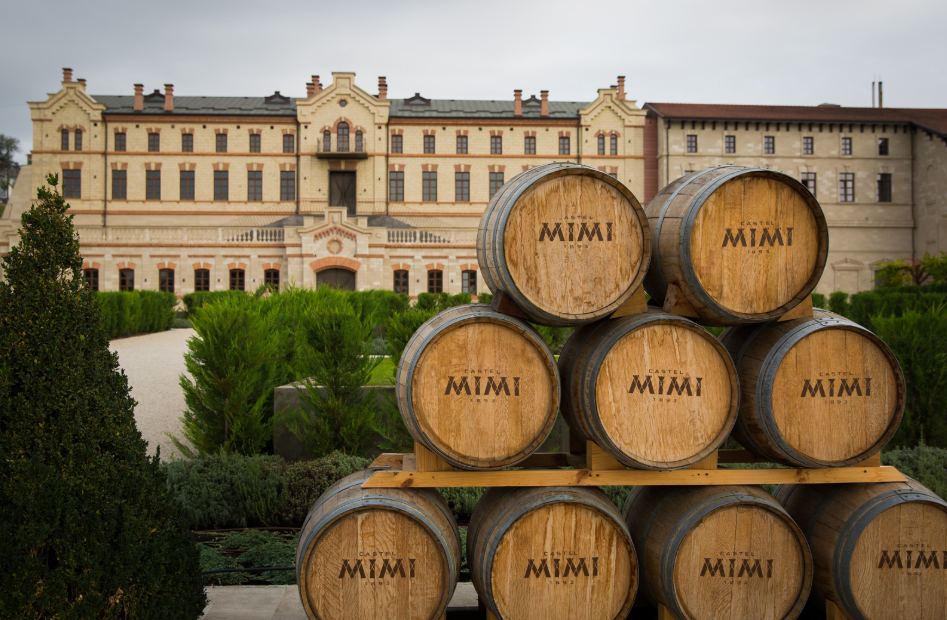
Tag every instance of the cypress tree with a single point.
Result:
(88, 526)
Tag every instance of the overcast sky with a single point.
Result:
(756, 52)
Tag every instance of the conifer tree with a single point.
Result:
(88, 526)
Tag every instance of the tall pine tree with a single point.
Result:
(89, 529)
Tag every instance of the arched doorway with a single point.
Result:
(342, 279)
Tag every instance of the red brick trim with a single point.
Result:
(74, 165)
(125, 266)
(122, 130)
(187, 166)
(331, 262)
(152, 166)
(185, 130)
(206, 266)
(275, 266)
(220, 130)
(497, 168)
(461, 168)
(529, 134)
(400, 266)
(92, 265)
(496, 132)
(341, 119)
(287, 167)
(565, 134)
(437, 266)
(429, 167)
(222, 166)
(470, 267)
(119, 166)
(154, 130)
(254, 167)
(430, 132)
(167, 266)
(396, 167)
(397, 132)
(255, 131)
(462, 132)
(237, 266)
(291, 132)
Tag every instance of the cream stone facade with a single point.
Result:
(360, 191)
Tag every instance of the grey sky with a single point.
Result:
(802, 52)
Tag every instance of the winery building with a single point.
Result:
(344, 187)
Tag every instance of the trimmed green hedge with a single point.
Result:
(138, 312)
(861, 307)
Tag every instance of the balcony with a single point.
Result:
(344, 149)
(175, 236)
(438, 236)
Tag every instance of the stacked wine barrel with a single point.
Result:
(477, 386)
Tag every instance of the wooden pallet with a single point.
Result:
(597, 468)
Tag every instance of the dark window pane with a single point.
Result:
(462, 186)
(289, 143)
(221, 185)
(119, 185)
(401, 281)
(846, 187)
(691, 144)
(469, 282)
(808, 146)
(166, 280)
(428, 144)
(255, 142)
(271, 277)
(529, 145)
(254, 185)
(154, 142)
(730, 143)
(91, 278)
(187, 143)
(126, 279)
(65, 140)
(496, 145)
(614, 145)
(187, 185)
(884, 187)
(359, 142)
(396, 186)
(435, 281)
(882, 146)
(846, 146)
(72, 184)
(237, 282)
(808, 179)
(462, 145)
(429, 186)
(769, 145)
(78, 139)
(601, 144)
(153, 185)
(564, 146)
(397, 144)
(120, 142)
(342, 137)
(287, 185)
(221, 143)
(326, 141)
(201, 279)
(496, 182)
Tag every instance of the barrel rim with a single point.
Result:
(767, 375)
(687, 225)
(618, 330)
(508, 285)
(468, 313)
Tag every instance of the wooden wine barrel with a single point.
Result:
(537, 553)
(567, 243)
(377, 553)
(819, 391)
(654, 390)
(742, 244)
(480, 389)
(879, 550)
(718, 553)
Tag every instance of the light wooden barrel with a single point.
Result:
(742, 244)
(568, 243)
(654, 390)
(537, 553)
(719, 553)
(377, 553)
(478, 388)
(819, 391)
(879, 550)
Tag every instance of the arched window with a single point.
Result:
(166, 280)
(65, 139)
(401, 281)
(237, 280)
(468, 282)
(614, 144)
(126, 280)
(359, 144)
(91, 278)
(202, 279)
(342, 135)
(435, 281)
(271, 277)
(78, 139)
(326, 141)
(601, 144)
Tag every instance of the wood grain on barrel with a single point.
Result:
(484, 388)
(892, 537)
(816, 392)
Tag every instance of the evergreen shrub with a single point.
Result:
(137, 312)
(926, 464)
(307, 480)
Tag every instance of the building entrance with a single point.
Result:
(342, 190)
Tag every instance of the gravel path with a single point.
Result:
(153, 363)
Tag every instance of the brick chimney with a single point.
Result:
(169, 97)
(66, 74)
(81, 83)
(382, 87)
(139, 97)
(544, 100)
(621, 87)
(310, 90)
(317, 85)
(517, 103)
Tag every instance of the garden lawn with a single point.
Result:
(385, 373)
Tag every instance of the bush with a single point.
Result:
(462, 501)
(263, 550)
(88, 527)
(213, 559)
(307, 480)
(925, 464)
(919, 340)
(194, 301)
(819, 301)
(224, 491)
(485, 298)
(181, 324)
(138, 312)
(894, 302)
(838, 303)
(555, 337)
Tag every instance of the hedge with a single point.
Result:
(138, 312)
(861, 307)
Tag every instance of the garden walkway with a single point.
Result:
(153, 363)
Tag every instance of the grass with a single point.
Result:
(385, 372)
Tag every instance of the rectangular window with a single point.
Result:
(730, 144)
(462, 186)
(152, 184)
(564, 145)
(808, 179)
(126, 280)
(237, 280)
(166, 280)
(396, 186)
(154, 142)
(187, 185)
(397, 144)
(221, 143)
(429, 186)
(496, 145)
(601, 144)
(271, 278)
(287, 185)
(221, 185)
(65, 140)
(882, 146)
(614, 144)
(202, 279)
(78, 139)
(401, 281)
(691, 144)
(468, 282)
(254, 185)
(884, 187)
(496, 182)
(435, 281)
(769, 145)
(119, 185)
(428, 144)
(461, 145)
(808, 147)
(846, 187)
(72, 184)
(187, 143)
(529, 145)
(846, 146)
(289, 143)
(120, 142)
(91, 278)
(255, 141)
